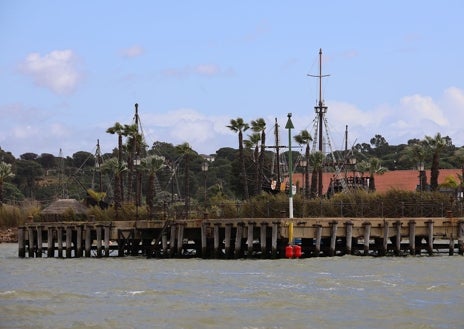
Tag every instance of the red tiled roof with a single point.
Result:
(398, 179)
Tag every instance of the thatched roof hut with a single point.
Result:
(64, 209)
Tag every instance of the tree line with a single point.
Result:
(163, 174)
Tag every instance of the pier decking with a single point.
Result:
(242, 237)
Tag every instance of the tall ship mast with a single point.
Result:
(321, 110)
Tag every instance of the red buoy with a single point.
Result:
(289, 251)
(297, 251)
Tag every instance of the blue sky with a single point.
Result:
(71, 69)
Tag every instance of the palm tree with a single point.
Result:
(239, 126)
(417, 152)
(116, 168)
(304, 137)
(152, 164)
(253, 143)
(459, 153)
(435, 145)
(374, 168)
(316, 159)
(119, 130)
(133, 145)
(186, 151)
(259, 126)
(5, 172)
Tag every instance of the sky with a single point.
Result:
(71, 69)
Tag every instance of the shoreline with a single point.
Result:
(8, 235)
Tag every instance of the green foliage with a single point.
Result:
(266, 205)
(14, 216)
(97, 196)
(11, 194)
(225, 183)
(450, 182)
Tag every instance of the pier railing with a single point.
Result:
(327, 208)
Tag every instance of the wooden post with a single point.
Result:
(68, 241)
(461, 237)
(98, 228)
(88, 241)
(172, 240)
(180, 239)
(418, 244)
(59, 235)
(164, 242)
(398, 238)
(367, 237)
(251, 226)
(451, 246)
(430, 237)
(318, 240)
(50, 242)
(79, 241)
(204, 239)
(386, 233)
(262, 238)
(275, 228)
(333, 237)
(39, 241)
(30, 238)
(228, 234)
(238, 240)
(106, 229)
(21, 247)
(412, 237)
(349, 237)
(216, 240)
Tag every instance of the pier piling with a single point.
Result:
(228, 235)
(367, 237)
(237, 238)
(349, 237)
(59, 234)
(412, 237)
(39, 242)
(21, 246)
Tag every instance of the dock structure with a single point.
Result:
(243, 237)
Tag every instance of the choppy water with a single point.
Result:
(339, 292)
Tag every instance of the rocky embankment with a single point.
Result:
(8, 235)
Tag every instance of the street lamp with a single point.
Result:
(204, 168)
(420, 168)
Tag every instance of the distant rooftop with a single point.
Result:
(406, 180)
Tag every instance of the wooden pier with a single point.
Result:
(243, 238)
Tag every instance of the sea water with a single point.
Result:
(134, 292)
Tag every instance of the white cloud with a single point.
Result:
(454, 102)
(422, 108)
(133, 51)
(204, 133)
(414, 116)
(56, 70)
